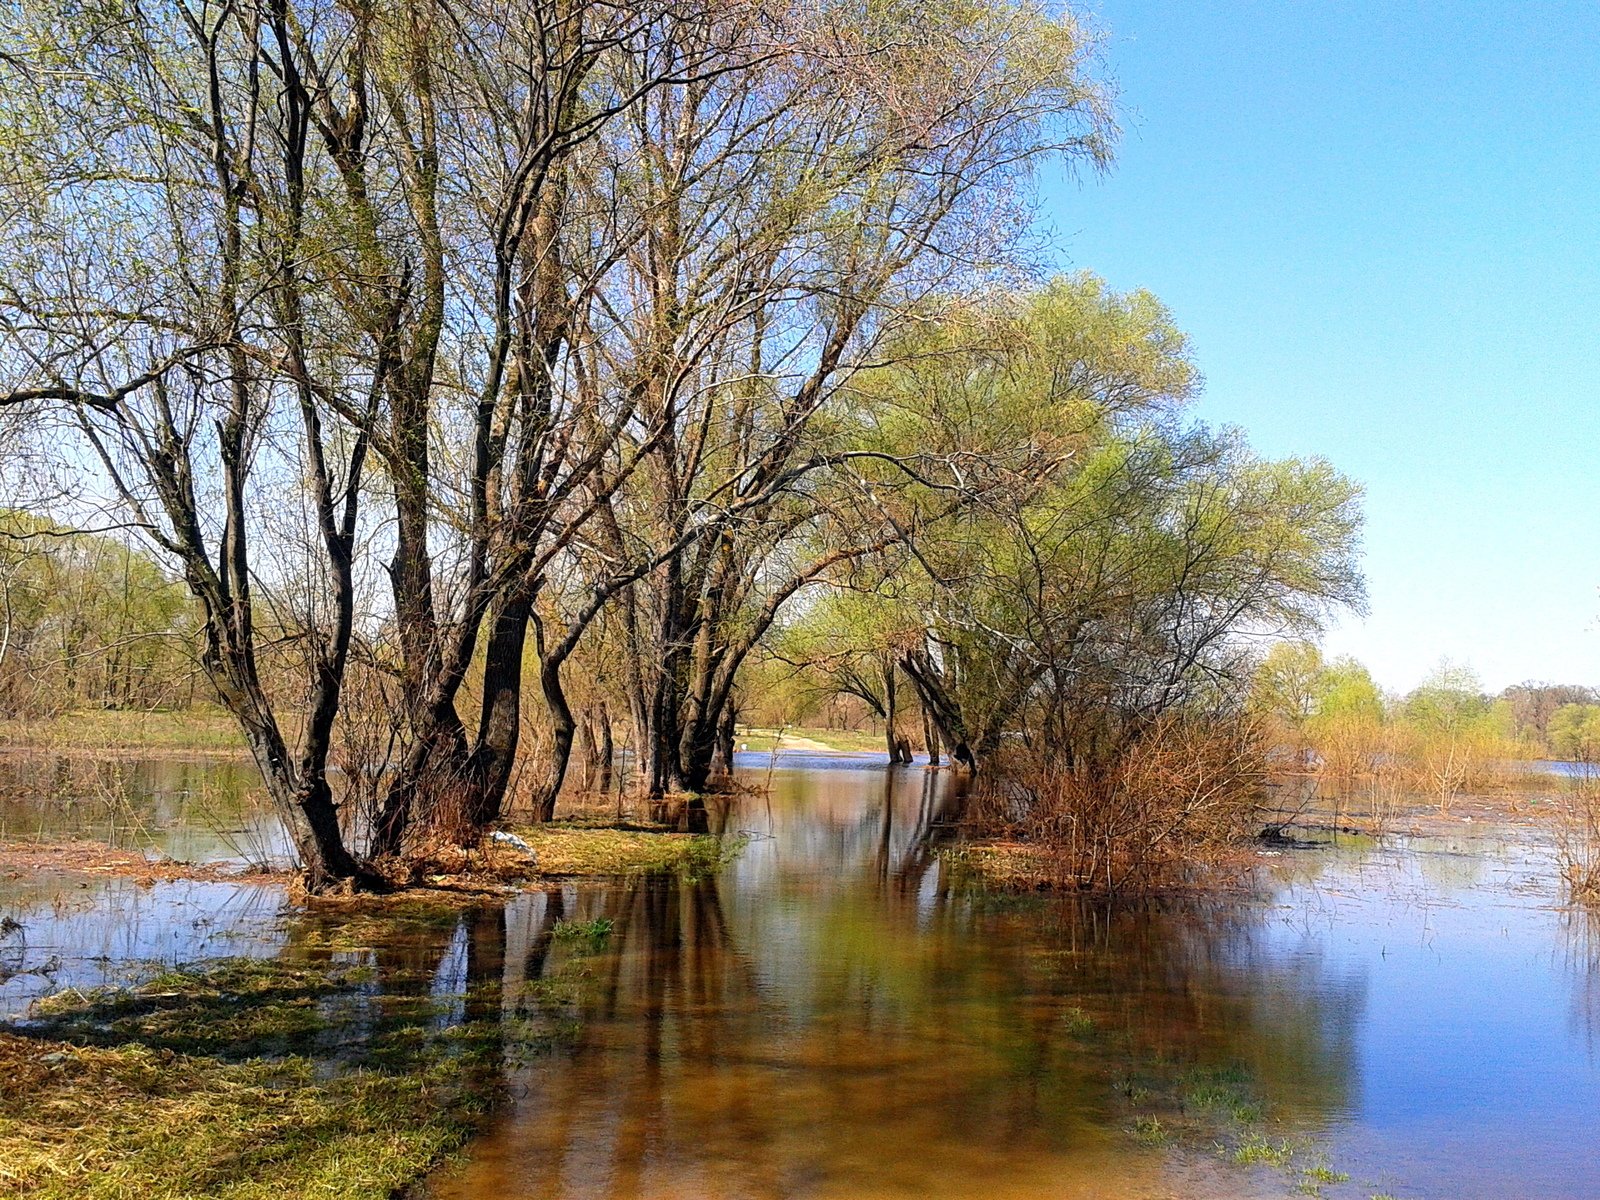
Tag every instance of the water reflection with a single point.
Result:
(829, 1016)
(192, 810)
(830, 1019)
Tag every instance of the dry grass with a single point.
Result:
(1363, 757)
(1578, 839)
(115, 731)
(565, 850)
(97, 858)
(129, 1122)
(795, 737)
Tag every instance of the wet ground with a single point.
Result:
(832, 1015)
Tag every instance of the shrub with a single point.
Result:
(1178, 795)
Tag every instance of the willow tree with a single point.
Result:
(157, 291)
(783, 223)
(1110, 563)
(290, 270)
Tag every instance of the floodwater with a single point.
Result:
(835, 1014)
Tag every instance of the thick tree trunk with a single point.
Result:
(500, 720)
(696, 755)
(930, 738)
(725, 739)
(329, 861)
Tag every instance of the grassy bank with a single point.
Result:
(574, 849)
(207, 731)
(189, 732)
(796, 738)
(220, 1082)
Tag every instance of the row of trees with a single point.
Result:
(1445, 736)
(438, 330)
(454, 349)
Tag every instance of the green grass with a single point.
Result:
(197, 731)
(237, 1080)
(1224, 1089)
(1256, 1148)
(591, 935)
(1324, 1174)
(847, 740)
(1077, 1022)
(1150, 1131)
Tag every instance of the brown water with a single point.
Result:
(834, 1016)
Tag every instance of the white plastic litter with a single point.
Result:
(511, 839)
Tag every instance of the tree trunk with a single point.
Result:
(603, 750)
(725, 738)
(553, 771)
(697, 752)
(936, 702)
(500, 719)
(890, 708)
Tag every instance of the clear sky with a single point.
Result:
(1380, 222)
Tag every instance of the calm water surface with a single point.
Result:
(834, 1015)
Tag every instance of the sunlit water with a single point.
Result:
(834, 1015)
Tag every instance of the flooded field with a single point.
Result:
(835, 1014)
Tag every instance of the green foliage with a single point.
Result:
(1574, 732)
(1290, 683)
(1449, 700)
(1347, 690)
(88, 620)
(1111, 547)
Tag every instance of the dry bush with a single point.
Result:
(1362, 755)
(1446, 764)
(1181, 795)
(1362, 764)
(366, 744)
(1578, 838)
(1350, 749)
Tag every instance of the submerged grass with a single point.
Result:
(245, 1079)
(584, 934)
(133, 1121)
(1219, 1105)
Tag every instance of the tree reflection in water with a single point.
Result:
(828, 1017)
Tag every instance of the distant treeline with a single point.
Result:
(90, 621)
(1446, 736)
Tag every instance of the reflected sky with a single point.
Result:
(833, 1016)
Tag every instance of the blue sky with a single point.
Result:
(1380, 223)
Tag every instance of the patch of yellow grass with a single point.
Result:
(567, 850)
(1007, 866)
(196, 731)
